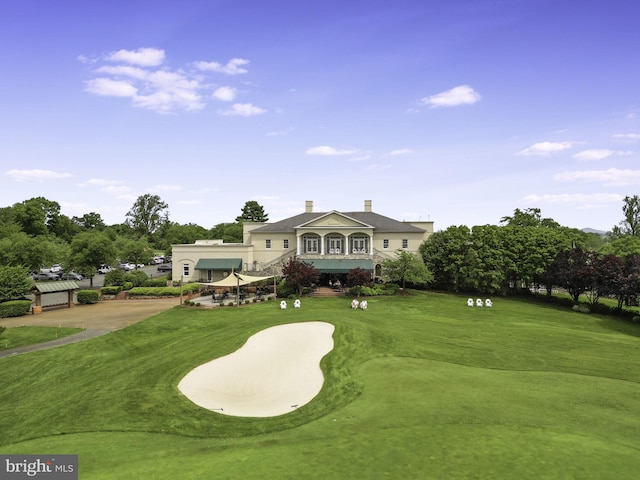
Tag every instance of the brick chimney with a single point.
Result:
(308, 206)
(367, 205)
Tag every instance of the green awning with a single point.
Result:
(221, 264)
(340, 265)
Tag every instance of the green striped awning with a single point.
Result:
(340, 265)
(221, 264)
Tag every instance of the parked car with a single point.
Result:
(55, 268)
(104, 269)
(165, 267)
(71, 276)
(127, 267)
(44, 276)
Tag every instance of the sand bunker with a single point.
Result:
(275, 372)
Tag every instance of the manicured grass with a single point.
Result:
(22, 336)
(416, 387)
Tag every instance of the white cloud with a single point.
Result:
(145, 57)
(597, 154)
(163, 89)
(627, 136)
(225, 94)
(35, 175)
(401, 151)
(233, 66)
(545, 148)
(110, 88)
(460, 95)
(612, 177)
(124, 71)
(573, 198)
(244, 110)
(326, 150)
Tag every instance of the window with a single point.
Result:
(267, 243)
(334, 245)
(285, 243)
(385, 243)
(405, 243)
(311, 244)
(185, 270)
(359, 245)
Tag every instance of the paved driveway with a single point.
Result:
(97, 319)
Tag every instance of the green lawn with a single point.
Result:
(416, 387)
(21, 336)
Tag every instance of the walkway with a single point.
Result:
(97, 319)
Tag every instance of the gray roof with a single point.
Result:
(380, 223)
(59, 286)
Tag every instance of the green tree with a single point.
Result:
(252, 212)
(446, 254)
(89, 221)
(184, 234)
(33, 252)
(227, 232)
(137, 251)
(622, 246)
(631, 223)
(15, 282)
(148, 214)
(530, 217)
(406, 267)
(89, 250)
(35, 215)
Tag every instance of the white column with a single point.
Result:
(322, 244)
(370, 244)
(298, 240)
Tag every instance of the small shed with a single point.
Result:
(40, 289)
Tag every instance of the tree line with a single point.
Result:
(35, 234)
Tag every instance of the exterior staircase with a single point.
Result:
(326, 292)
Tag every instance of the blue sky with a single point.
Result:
(453, 111)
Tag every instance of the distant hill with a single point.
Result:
(593, 230)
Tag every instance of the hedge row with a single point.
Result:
(163, 291)
(15, 308)
(86, 297)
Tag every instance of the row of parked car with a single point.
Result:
(60, 275)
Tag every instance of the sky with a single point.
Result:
(454, 111)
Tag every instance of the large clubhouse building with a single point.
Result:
(333, 242)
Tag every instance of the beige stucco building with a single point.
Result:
(334, 242)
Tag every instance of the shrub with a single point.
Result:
(127, 285)
(154, 282)
(14, 308)
(390, 288)
(87, 296)
(110, 290)
(137, 277)
(114, 277)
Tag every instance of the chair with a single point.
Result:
(488, 302)
(470, 302)
(363, 304)
(296, 304)
(354, 304)
(283, 305)
(479, 302)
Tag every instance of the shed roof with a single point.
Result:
(52, 287)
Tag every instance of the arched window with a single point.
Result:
(335, 244)
(359, 244)
(311, 244)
